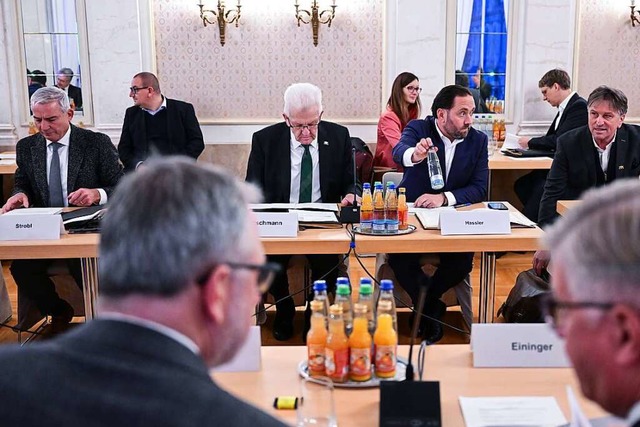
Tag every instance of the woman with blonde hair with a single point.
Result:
(403, 106)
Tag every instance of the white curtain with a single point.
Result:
(465, 8)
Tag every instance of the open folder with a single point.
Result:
(430, 218)
(310, 215)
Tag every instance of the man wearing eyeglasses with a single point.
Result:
(157, 125)
(596, 295)
(173, 303)
(302, 160)
(463, 156)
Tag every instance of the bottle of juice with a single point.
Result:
(360, 346)
(320, 294)
(365, 297)
(403, 210)
(316, 340)
(386, 295)
(378, 210)
(391, 209)
(366, 209)
(343, 298)
(386, 343)
(336, 361)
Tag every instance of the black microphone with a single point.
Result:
(350, 214)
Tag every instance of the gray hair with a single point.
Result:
(66, 72)
(615, 97)
(302, 96)
(598, 244)
(47, 95)
(168, 223)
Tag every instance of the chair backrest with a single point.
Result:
(364, 160)
(396, 177)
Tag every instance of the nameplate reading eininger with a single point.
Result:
(517, 345)
(277, 224)
(30, 226)
(477, 221)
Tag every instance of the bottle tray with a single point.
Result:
(411, 229)
(401, 368)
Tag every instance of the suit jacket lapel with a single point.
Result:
(324, 157)
(140, 130)
(284, 155)
(172, 117)
(39, 161)
(587, 148)
(624, 155)
(76, 154)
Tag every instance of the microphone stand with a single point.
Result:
(351, 214)
(422, 295)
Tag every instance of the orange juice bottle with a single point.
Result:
(360, 346)
(366, 209)
(403, 210)
(386, 342)
(336, 360)
(316, 340)
(379, 224)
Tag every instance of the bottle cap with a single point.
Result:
(342, 281)
(360, 308)
(386, 285)
(391, 185)
(335, 309)
(364, 280)
(320, 285)
(366, 185)
(365, 289)
(402, 189)
(343, 290)
(317, 305)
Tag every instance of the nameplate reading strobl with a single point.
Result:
(31, 224)
(477, 221)
(277, 224)
(517, 345)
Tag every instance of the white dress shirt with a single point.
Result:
(161, 107)
(604, 154)
(297, 150)
(562, 107)
(449, 154)
(63, 154)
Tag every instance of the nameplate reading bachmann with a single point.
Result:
(277, 224)
(477, 221)
(517, 345)
(26, 226)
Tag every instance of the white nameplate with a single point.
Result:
(517, 345)
(30, 226)
(248, 357)
(477, 221)
(277, 224)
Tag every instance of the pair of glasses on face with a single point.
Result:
(414, 89)
(552, 308)
(136, 89)
(266, 273)
(309, 126)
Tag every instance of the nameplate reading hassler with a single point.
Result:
(277, 224)
(517, 345)
(477, 221)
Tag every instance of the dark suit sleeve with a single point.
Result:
(22, 183)
(125, 146)
(109, 168)
(555, 186)
(409, 139)
(255, 165)
(193, 133)
(576, 116)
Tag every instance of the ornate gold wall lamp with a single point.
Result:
(634, 19)
(221, 16)
(315, 17)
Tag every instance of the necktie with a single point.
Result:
(55, 182)
(306, 176)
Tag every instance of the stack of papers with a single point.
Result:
(430, 218)
(32, 211)
(511, 411)
(8, 156)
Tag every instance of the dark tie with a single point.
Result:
(55, 182)
(306, 176)
(555, 121)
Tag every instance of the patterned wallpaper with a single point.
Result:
(245, 79)
(609, 51)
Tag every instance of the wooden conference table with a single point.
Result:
(564, 206)
(451, 365)
(6, 169)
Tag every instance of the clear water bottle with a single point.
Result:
(435, 171)
(386, 294)
(343, 299)
(320, 294)
(365, 297)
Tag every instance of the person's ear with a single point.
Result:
(215, 293)
(626, 337)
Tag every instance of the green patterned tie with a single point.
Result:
(306, 175)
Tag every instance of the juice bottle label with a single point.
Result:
(315, 359)
(385, 360)
(360, 366)
(403, 218)
(336, 364)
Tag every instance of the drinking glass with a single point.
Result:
(492, 146)
(316, 407)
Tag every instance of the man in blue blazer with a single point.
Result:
(463, 156)
(156, 125)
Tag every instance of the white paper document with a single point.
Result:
(511, 411)
(315, 216)
(35, 211)
(511, 141)
(333, 207)
(7, 162)
(8, 156)
(430, 218)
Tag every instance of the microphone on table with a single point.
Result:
(350, 214)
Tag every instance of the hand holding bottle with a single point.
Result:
(421, 149)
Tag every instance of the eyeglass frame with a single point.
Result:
(135, 90)
(413, 89)
(308, 126)
(551, 306)
(266, 273)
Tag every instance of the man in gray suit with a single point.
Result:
(174, 301)
(60, 166)
(596, 295)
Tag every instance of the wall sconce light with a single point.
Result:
(222, 16)
(634, 19)
(315, 17)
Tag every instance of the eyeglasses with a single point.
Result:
(551, 308)
(136, 89)
(266, 273)
(302, 127)
(414, 89)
